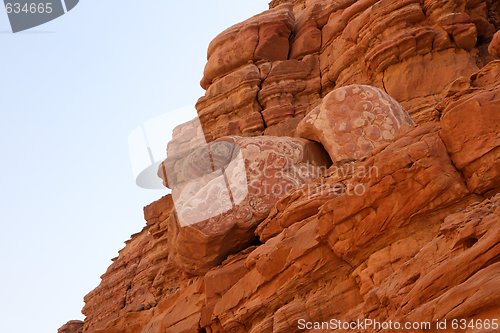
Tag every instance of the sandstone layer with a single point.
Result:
(402, 225)
(223, 190)
(72, 326)
(319, 45)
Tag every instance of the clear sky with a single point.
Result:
(71, 91)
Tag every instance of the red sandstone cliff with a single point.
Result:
(404, 96)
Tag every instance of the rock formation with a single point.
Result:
(72, 326)
(494, 47)
(224, 189)
(400, 224)
(352, 121)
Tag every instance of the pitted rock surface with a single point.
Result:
(224, 189)
(354, 120)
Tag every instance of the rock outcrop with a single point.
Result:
(471, 129)
(320, 45)
(403, 227)
(226, 188)
(352, 121)
(263, 37)
(494, 47)
(72, 326)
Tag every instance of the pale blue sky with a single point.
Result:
(71, 91)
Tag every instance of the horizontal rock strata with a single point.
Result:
(403, 226)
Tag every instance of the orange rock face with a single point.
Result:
(403, 227)
(227, 187)
(263, 37)
(73, 326)
(320, 45)
(470, 128)
(494, 47)
(352, 121)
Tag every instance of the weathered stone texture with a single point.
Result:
(404, 225)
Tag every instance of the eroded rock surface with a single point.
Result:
(494, 47)
(72, 326)
(470, 127)
(411, 49)
(224, 189)
(354, 120)
(138, 278)
(404, 226)
(263, 37)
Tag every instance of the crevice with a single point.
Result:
(291, 39)
(254, 242)
(411, 280)
(262, 80)
(490, 262)
(469, 242)
(383, 83)
(459, 171)
(319, 63)
(201, 329)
